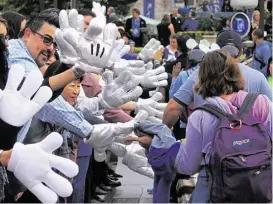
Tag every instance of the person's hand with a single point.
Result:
(176, 70)
(149, 50)
(136, 67)
(136, 160)
(17, 106)
(103, 135)
(32, 165)
(159, 53)
(146, 140)
(119, 91)
(119, 50)
(153, 77)
(89, 51)
(154, 109)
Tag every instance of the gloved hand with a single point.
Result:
(119, 91)
(87, 50)
(90, 50)
(136, 67)
(153, 77)
(120, 49)
(16, 107)
(148, 52)
(67, 53)
(161, 134)
(32, 165)
(100, 13)
(136, 160)
(103, 135)
(154, 109)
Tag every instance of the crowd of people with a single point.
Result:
(74, 92)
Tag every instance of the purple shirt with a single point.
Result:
(201, 129)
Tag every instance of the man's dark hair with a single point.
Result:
(86, 12)
(193, 14)
(14, 23)
(218, 74)
(258, 33)
(50, 16)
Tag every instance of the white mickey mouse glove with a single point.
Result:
(100, 14)
(90, 50)
(17, 107)
(32, 165)
(154, 109)
(119, 91)
(136, 160)
(67, 53)
(120, 49)
(149, 50)
(153, 77)
(103, 135)
(136, 67)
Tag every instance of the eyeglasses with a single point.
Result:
(4, 37)
(47, 40)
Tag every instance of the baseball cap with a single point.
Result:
(230, 42)
(196, 55)
(229, 37)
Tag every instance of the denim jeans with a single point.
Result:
(201, 191)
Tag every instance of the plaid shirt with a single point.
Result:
(58, 112)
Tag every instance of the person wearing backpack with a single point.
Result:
(228, 140)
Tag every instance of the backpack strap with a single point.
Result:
(219, 113)
(247, 103)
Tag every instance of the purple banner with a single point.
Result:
(149, 8)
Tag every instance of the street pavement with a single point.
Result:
(134, 186)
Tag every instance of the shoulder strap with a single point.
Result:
(219, 113)
(259, 60)
(247, 103)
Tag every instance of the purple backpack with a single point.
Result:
(239, 168)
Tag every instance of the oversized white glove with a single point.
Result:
(32, 165)
(90, 50)
(67, 53)
(120, 49)
(100, 13)
(134, 66)
(16, 107)
(87, 50)
(119, 91)
(154, 109)
(136, 160)
(103, 135)
(149, 50)
(153, 77)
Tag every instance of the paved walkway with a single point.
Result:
(134, 186)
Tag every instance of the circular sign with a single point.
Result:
(240, 23)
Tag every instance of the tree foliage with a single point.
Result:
(26, 7)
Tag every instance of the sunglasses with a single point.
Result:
(47, 39)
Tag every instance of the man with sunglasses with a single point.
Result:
(231, 42)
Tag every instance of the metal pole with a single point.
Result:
(262, 15)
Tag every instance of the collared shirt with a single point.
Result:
(19, 54)
(61, 113)
(136, 27)
(57, 112)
